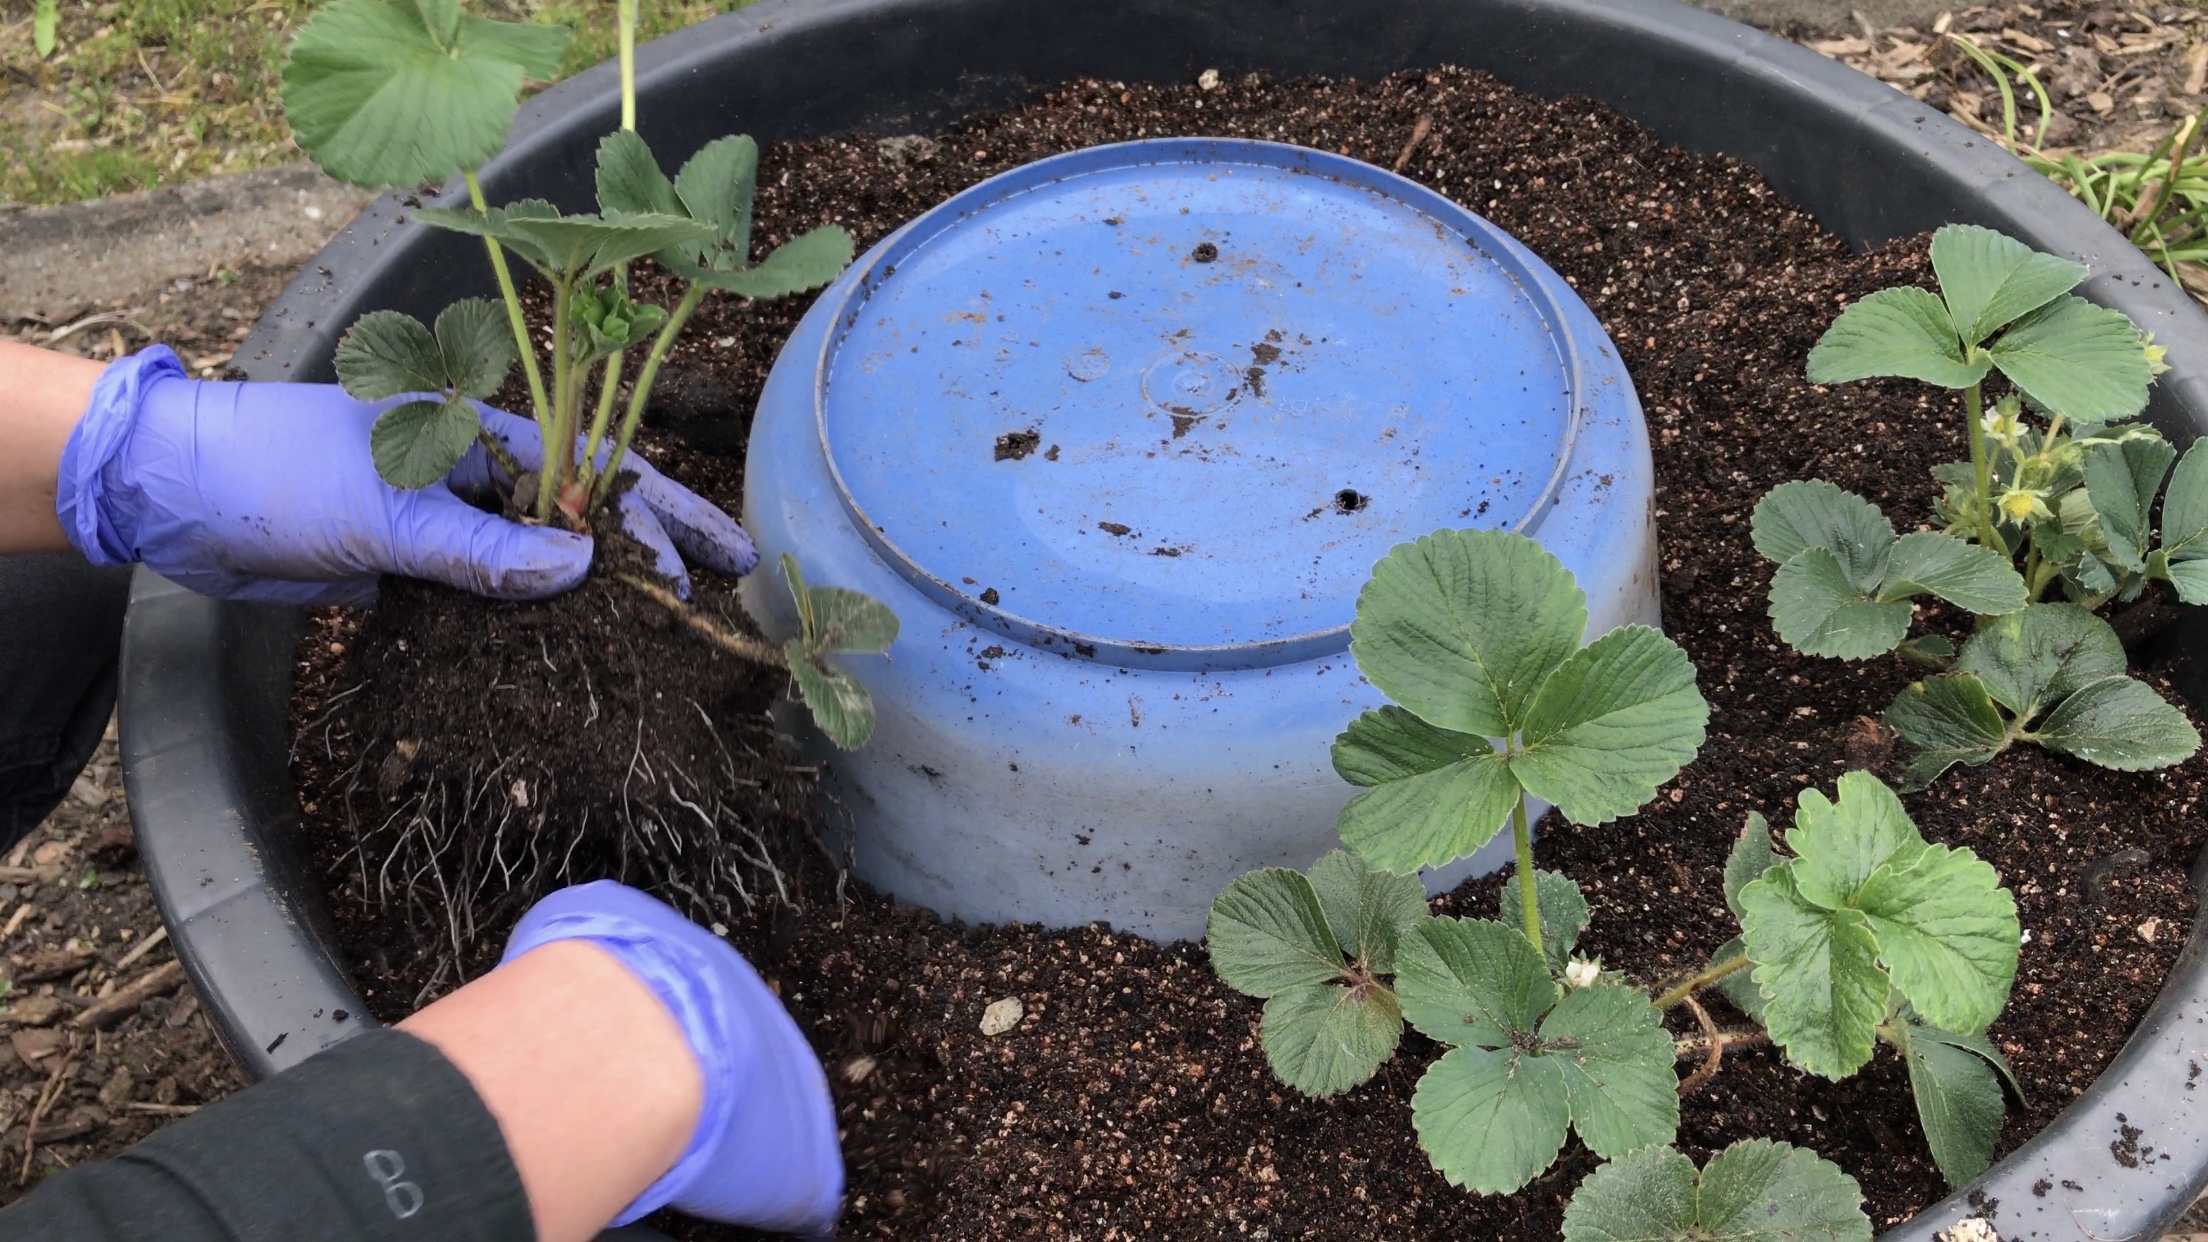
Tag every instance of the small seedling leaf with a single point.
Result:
(1491, 1121)
(378, 99)
(477, 342)
(1433, 795)
(45, 26)
(1323, 1039)
(1903, 332)
(2121, 479)
(1752, 855)
(1617, 1061)
(1268, 934)
(840, 705)
(2185, 525)
(1947, 932)
(2030, 660)
(386, 354)
(1966, 575)
(2077, 359)
(1617, 719)
(1949, 720)
(1959, 1103)
(1811, 513)
(2119, 723)
(630, 182)
(1990, 279)
(417, 443)
(1368, 910)
(1819, 611)
(1563, 913)
(716, 187)
(1756, 1190)
(850, 621)
(1463, 626)
(1470, 981)
(807, 261)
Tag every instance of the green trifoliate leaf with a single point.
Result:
(1491, 1121)
(849, 621)
(477, 342)
(1959, 1101)
(379, 98)
(1903, 333)
(1964, 574)
(630, 181)
(1618, 718)
(1563, 913)
(1839, 844)
(1949, 720)
(2121, 479)
(1433, 795)
(417, 443)
(1463, 626)
(1751, 856)
(386, 354)
(839, 704)
(1469, 981)
(716, 186)
(1753, 1191)
(2119, 723)
(1323, 1039)
(2185, 526)
(1369, 911)
(1617, 1061)
(1990, 279)
(1811, 513)
(1820, 612)
(1948, 934)
(494, 224)
(2077, 359)
(1268, 934)
(581, 245)
(1739, 987)
(2032, 659)
(1818, 972)
(806, 261)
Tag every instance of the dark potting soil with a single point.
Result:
(1133, 1100)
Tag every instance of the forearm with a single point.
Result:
(42, 394)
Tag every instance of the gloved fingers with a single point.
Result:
(644, 526)
(706, 535)
(475, 477)
(437, 536)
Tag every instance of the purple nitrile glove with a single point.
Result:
(663, 515)
(765, 1152)
(268, 492)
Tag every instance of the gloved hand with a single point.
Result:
(765, 1151)
(268, 492)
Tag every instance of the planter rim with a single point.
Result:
(206, 685)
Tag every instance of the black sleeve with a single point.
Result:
(61, 622)
(379, 1137)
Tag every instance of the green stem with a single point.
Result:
(559, 446)
(1529, 900)
(1981, 469)
(628, 64)
(514, 319)
(1702, 979)
(609, 385)
(641, 391)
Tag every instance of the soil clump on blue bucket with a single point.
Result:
(1133, 1101)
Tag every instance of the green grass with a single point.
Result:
(141, 93)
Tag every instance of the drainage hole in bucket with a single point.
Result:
(1350, 500)
(1204, 252)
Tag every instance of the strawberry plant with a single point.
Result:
(403, 93)
(2063, 504)
(1753, 1191)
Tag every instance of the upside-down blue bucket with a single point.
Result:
(1119, 436)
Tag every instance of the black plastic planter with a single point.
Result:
(206, 685)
